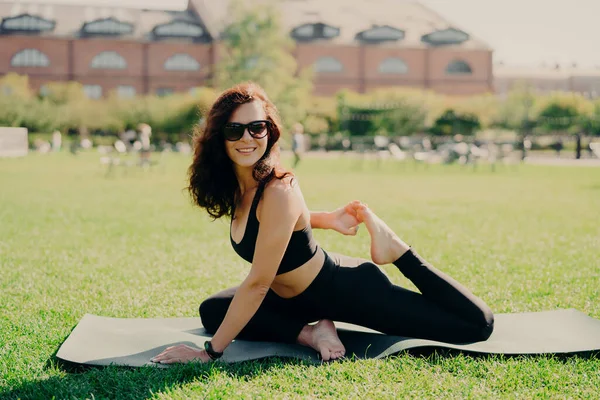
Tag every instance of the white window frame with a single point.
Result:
(305, 31)
(107, 26)
(27, 22)
(330, 31)
(30, 58)
(179, 29)
(452, 68)
(126, 91)
(382, 33)
(182, 62)
(328, 64)
(393, 66)
(108, 60)
(93, 92)
(446, 37)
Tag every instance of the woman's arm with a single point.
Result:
(282, 206)
(321, 219)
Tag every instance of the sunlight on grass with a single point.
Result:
(72, 242)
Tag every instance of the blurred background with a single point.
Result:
(434, 81)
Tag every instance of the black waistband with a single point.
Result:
(323, 280)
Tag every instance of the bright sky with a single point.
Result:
(529, 32)
(522, 32)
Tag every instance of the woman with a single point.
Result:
(292, 281)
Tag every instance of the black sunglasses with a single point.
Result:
(234, 131)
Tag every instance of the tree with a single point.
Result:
(256, 49)
(15, 86)
(20, 108)
(452, 123)
(65, 92)
(402, 119)
(387, 112)
(517, 112)
(591, 124)
(566, 114)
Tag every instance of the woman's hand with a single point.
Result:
(181, 354)
(344, 220)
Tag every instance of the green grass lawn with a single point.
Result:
(72, 242)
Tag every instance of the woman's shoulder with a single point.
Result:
(284, 190)
(288, 184)
(281, 199)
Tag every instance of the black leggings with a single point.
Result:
(357, 291)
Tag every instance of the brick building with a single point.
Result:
(360, 45)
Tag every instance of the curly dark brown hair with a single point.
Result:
(212, 181)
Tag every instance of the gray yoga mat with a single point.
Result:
(133, 342)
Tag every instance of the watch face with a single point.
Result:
(209, 350)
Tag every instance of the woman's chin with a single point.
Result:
(246, 162)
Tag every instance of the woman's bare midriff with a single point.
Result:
(293, 283)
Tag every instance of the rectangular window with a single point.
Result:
(163, 91)
(125, 91)
(92, 91)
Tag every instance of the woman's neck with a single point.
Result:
(245, 179)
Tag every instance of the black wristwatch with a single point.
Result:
(214, 355)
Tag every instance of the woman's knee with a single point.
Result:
(212, 312)
(373, 278)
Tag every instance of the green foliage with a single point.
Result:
(384, 112)
(403, 119)
(517, 110)
(557, 118)
(65, 107)
(452, 123)
(564, 113)
(591, 123)
(322, 116)
(255, 49)
(65, 92)
(16, 86)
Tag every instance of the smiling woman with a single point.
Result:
(293, 282)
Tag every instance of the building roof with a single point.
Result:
(69, 19)
(406, 23)
(353, 17)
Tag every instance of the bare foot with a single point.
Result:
(323, 338)
(386, 246)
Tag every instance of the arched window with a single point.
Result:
(106, 26)
(393, 65)
(109, 60)
(445, 37)
(307, 30)
(30, 58)
(26, 23)
(328, 64)
(458, 67)
(182, 62)
(125, 91)
(381, 34)
(178, 29)
(315, 31)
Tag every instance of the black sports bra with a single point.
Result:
(301, 247)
